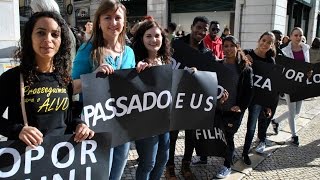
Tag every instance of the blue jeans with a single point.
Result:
(118, 160)
(153, 155)
(254, 112)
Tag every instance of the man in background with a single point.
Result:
(213, 41)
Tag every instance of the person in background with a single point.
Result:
(304, 39)
(315, 50)
(240, 96)
(264, 52)
(172, 30)
(279, 36)
(213, 41)
(88, 30)
(298, 51)
(106, 52)
(285, 41)
(51, 5)
(226, 32)
(133, 30)
(152, 48)
(44, 56)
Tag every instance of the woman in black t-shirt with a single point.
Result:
(47, 90)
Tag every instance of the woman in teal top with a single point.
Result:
(106, 52)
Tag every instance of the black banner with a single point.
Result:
(58, 157)
(211, 142)
(267, 80)
(133, 105)
(185, 57)
(296, 82)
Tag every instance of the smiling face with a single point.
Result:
(112, 23)
(152, 40)
(199, 30)
(265, 43)
(229, 49)
(46, 38)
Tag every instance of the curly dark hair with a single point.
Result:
(25, 54)
(140, 50)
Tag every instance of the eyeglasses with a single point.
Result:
(215, 29)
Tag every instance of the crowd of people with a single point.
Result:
(46, 61)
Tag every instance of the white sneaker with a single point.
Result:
(260, 148)
(223, 173)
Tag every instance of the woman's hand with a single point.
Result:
(192, 70)
(249, 58)
(268, 112)
(83, 132)
(141, 66)
(235, 109)
(224, 96)
(309, 74)
(31, 136)
(105, 68)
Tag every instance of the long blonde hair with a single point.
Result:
(97, 39)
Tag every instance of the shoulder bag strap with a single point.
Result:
(23, 107)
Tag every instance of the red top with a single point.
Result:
(298, 56)
(214, 45)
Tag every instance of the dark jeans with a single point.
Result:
(153, 155)
(233, 122)
(254, 112)
(173, 140)
(189, 141)
(264, 122)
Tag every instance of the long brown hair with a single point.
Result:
(272, 52)
(97, 35)
(240, 56)
(139, 48)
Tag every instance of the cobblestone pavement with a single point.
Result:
(287, 162)
(290, 162)
(281, 162)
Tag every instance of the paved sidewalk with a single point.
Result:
(310, 110)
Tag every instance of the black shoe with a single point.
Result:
(170, 173)
(246, 159)
(199, 162)
(295, 140)
(186, 171)
(275, 126)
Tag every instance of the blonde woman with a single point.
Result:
(298, 51)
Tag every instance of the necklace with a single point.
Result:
(155, 62)
(50, 69)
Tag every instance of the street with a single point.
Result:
(279, 161)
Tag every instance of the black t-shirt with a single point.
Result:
(47, 104)
(255, 57)
(47, 109)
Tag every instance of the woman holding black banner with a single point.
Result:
(239, 96)
(38, 92)
(264, 52)
(152, 48)
(298, 51)
(106, 52)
